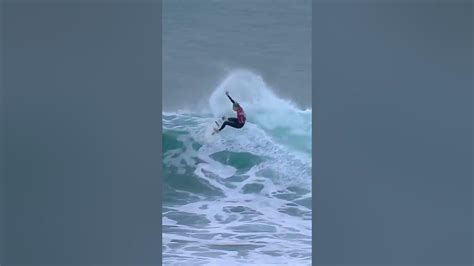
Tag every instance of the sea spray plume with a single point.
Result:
(280, 117)
(260, 103)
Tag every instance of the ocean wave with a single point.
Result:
(243, 195)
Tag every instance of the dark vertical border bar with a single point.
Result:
(392, 132)
(2, 144)
(82, 87)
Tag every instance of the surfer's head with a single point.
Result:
(235, 106)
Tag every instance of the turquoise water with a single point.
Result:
(242, 196)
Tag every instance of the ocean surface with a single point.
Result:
(205, 40)
(243, 196)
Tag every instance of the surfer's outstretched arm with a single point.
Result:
(230, 98)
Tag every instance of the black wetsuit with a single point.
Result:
(235, 122)
(232, 122)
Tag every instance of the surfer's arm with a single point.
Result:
(227, 93)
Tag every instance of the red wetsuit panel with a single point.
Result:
(241, 115)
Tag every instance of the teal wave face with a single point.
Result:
(300, 142)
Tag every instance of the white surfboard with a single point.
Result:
(218, 123)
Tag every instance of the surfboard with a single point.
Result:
(218, 125)
(214, 129)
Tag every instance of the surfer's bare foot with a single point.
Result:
(216, 130)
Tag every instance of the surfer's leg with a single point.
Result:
(232, 122)
(223, 125)
(235, 123)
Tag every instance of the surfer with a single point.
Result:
(235, 122)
